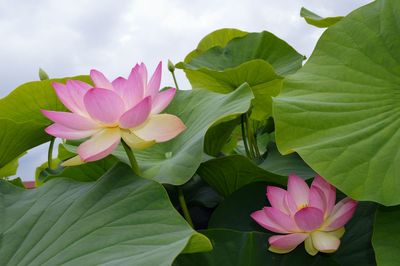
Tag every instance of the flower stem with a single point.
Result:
(244, 137)
(171, 68)
(184, 207)
(131, 157)
(50, 152)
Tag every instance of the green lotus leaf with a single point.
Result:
(317, 21)
(341, 111)
(385, 239)
(119, 219)
(216, 38)
(259, 59)
(22, 123)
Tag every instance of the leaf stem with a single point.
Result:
(50, 153)
(131, 157)
(244, 137)
(184, 207)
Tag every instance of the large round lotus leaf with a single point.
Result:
(118, 220)
(341, 111)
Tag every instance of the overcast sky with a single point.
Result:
(68, 38)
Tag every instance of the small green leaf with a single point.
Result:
(317, 21)
(386, 237)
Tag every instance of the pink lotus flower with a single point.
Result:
(124, 108)
(305, 214)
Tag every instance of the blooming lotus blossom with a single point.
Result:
(108, 111)
(305, 214)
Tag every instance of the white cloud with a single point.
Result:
(68, 38)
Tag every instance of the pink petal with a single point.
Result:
(341, 214)
(100, 145)
(119, 84)
(160, 128)
(282, 219)
(286, 243)
(328, 190)
(143, 74)
(309, 218)
(277, 197)
(71, 120)
(290, 204)
(71, 96)
(162, 100)
(262, 219)
(299, 190)
(104, 105)
(154, 84)
(99, 80)
(317, 199)
(136, 115)
(133, 91)
(325, 241)
(64, 132)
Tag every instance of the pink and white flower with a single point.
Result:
(306, 214)
(108, 111)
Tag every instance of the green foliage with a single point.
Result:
(340, 112)
(118, 220)
(233, 58)
(22, 128)
(386, 239)
(317, 21)
(10, 168)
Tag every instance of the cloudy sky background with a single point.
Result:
(68, 38)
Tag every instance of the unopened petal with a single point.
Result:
(298, 189)
(154, 84)
(341, 214)
(309, 218)
(104, 105)
(325, 241)
(134, 142)
(162, 100)
(99, 80)
(71, 120)
(60, 131)
(160, 128)
(136, 115)
(100, 145)
(286, 243)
